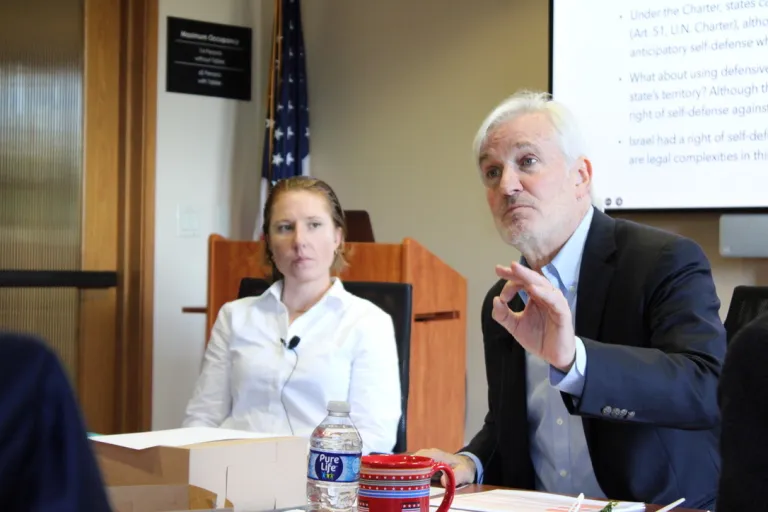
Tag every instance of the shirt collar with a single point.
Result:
(336, 293)
(567, 262)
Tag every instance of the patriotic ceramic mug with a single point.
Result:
(400, 483)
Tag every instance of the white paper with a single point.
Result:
(504, 500)
(177, 437)
(439, 491)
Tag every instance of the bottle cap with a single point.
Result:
(338, 407)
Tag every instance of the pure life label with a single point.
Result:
(334, 467)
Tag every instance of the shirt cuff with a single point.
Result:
(478, 466)
(573, 381)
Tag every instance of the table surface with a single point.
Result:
(464, 490)
(479, 488)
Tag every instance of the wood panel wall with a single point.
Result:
(101, 137)
(120, 94)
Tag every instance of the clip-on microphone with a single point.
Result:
(291, 345)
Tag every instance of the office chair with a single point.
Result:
(396, 300)
(747, 303)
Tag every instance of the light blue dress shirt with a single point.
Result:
(559, 450)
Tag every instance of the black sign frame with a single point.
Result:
(209, 59)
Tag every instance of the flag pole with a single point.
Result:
(274, 73)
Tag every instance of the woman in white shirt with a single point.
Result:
(274, 361)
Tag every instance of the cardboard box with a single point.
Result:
(261, 473)
(161, 498)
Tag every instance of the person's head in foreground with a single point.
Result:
(538, 181)
(304, 231)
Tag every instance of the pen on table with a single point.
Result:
(576, 506)
(672, 505)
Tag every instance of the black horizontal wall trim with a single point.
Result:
(82, 279)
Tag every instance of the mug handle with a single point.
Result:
(450, 490)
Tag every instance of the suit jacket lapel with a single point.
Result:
(515, 410)
(595, 275)
(514, 365)
(516, 359)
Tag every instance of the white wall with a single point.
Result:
(208, 154)
(397, 89)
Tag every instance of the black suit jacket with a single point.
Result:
(46, 462)
(648, 316)
(743, 443)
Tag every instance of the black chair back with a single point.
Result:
(747, 303)
(359, 228)
(394, 299)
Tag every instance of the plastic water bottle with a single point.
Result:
(335, 449)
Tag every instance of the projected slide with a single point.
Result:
(672, 97)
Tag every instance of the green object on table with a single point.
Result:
(93, 434)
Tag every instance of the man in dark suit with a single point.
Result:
(744, 478)
(46, 461)
(603, 345)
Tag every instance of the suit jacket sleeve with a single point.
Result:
(745, 420)
(672, 380)
(484, 444)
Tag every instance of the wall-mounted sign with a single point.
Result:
(209, 59)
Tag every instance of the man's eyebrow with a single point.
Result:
(525, 145)
(517, 146)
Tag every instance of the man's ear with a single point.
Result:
(583, 177)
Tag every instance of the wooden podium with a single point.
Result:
(437, 394)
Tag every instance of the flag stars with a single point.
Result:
(287, 113)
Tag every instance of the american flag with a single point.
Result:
(286, 138)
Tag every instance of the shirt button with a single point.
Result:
(559, 421)
(563, 473)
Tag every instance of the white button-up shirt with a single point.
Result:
(347, 352)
